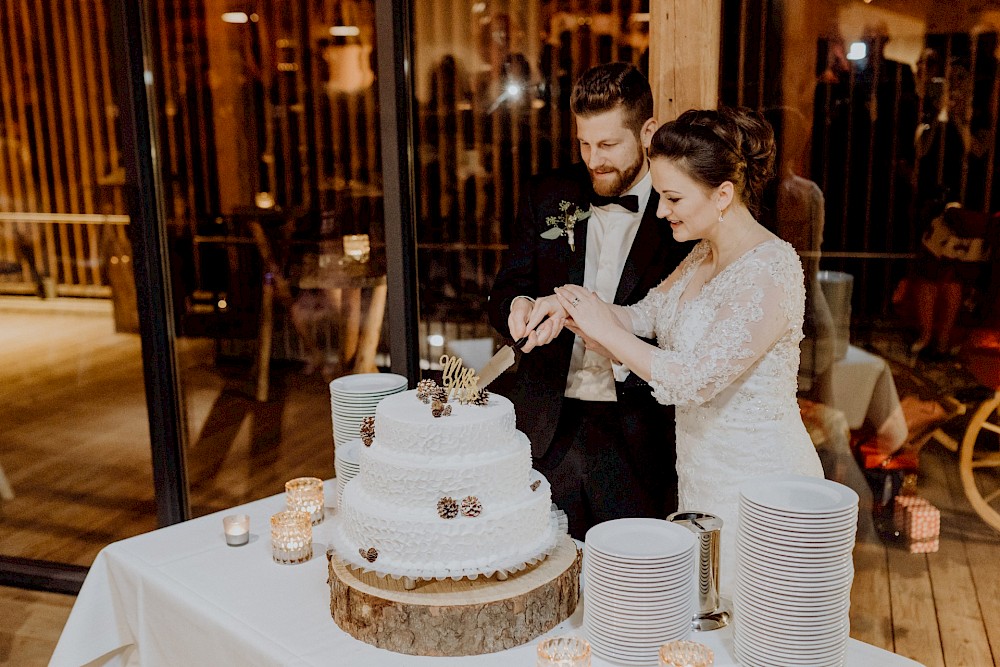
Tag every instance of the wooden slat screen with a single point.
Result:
(58, 147)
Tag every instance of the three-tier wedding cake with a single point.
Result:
(446, 494)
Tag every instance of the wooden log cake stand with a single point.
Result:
(452, 618)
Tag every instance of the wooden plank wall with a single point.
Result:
(58, 147)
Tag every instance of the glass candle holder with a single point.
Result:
(357, 247)
(237, 529)
(291, 537)
(563, 652)
(305, 494)
(686, 654)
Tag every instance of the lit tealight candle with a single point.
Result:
(237, 527)
(291, 537)
(306, 495)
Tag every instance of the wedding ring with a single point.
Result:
(575, 302)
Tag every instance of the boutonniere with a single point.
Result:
(563, 224)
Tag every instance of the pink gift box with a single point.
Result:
(923, 522)
(925, 546)
(902, 503)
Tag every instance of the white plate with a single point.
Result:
(797, 494)
(637, 565)
(640, 539)
(368, 382)
(751, 656)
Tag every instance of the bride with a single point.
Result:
(727, 321)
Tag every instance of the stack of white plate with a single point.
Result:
(346, 462)
(639, 588)
(354, 397)
(794, 572)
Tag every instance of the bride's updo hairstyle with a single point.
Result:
(714, 146)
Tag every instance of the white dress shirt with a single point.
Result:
(611, 230)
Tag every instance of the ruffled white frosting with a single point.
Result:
(405, 425)
(417, 459)
(495, 478)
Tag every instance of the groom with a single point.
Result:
(597, 434)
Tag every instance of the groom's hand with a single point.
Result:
(517, 321)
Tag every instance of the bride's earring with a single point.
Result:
(721, 219)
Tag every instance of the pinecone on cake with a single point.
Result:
(439, 394)
(370, 555)
(471, 506)
(439, 409)
(481, 397)
(447, 508)
(368, 430)
(424, 390)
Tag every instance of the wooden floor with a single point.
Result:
(75, 444)
(74, 441)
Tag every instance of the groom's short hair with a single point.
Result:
(612, 85)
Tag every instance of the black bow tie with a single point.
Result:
(630, 202)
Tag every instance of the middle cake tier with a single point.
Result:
(416, 481)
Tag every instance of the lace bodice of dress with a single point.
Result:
(727, 328)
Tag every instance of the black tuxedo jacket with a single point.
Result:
(534, 266)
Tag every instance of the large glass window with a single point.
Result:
(269, 150)
(492, 82)
(75, 471)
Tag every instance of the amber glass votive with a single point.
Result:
(563, 652)
(686, 654)
(305, 494)
(291, 537)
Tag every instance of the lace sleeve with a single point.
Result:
(758, 303)
(643, 313)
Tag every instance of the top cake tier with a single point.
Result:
(405, 424)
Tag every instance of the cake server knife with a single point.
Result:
(499, 362)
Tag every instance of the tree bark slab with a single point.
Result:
(452, 618)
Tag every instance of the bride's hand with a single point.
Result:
(590, 314)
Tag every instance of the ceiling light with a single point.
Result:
(235, 17)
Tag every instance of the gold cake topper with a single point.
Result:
(459, 382)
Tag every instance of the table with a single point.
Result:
(180, 596)
(863, 389)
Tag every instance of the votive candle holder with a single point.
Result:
(291, 537)
(237, 529)
(305, 494)
(686, 654)
(567, 651)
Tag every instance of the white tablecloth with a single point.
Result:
(863, 389)
(180, 596)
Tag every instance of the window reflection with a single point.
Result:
(493, 81)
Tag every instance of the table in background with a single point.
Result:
(180, 596)
(863, 389)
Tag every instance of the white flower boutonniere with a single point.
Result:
(562, 225)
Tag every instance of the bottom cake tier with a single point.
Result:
(400, 542)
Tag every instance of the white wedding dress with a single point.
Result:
(728, 360)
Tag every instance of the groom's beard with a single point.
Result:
(623, 179)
